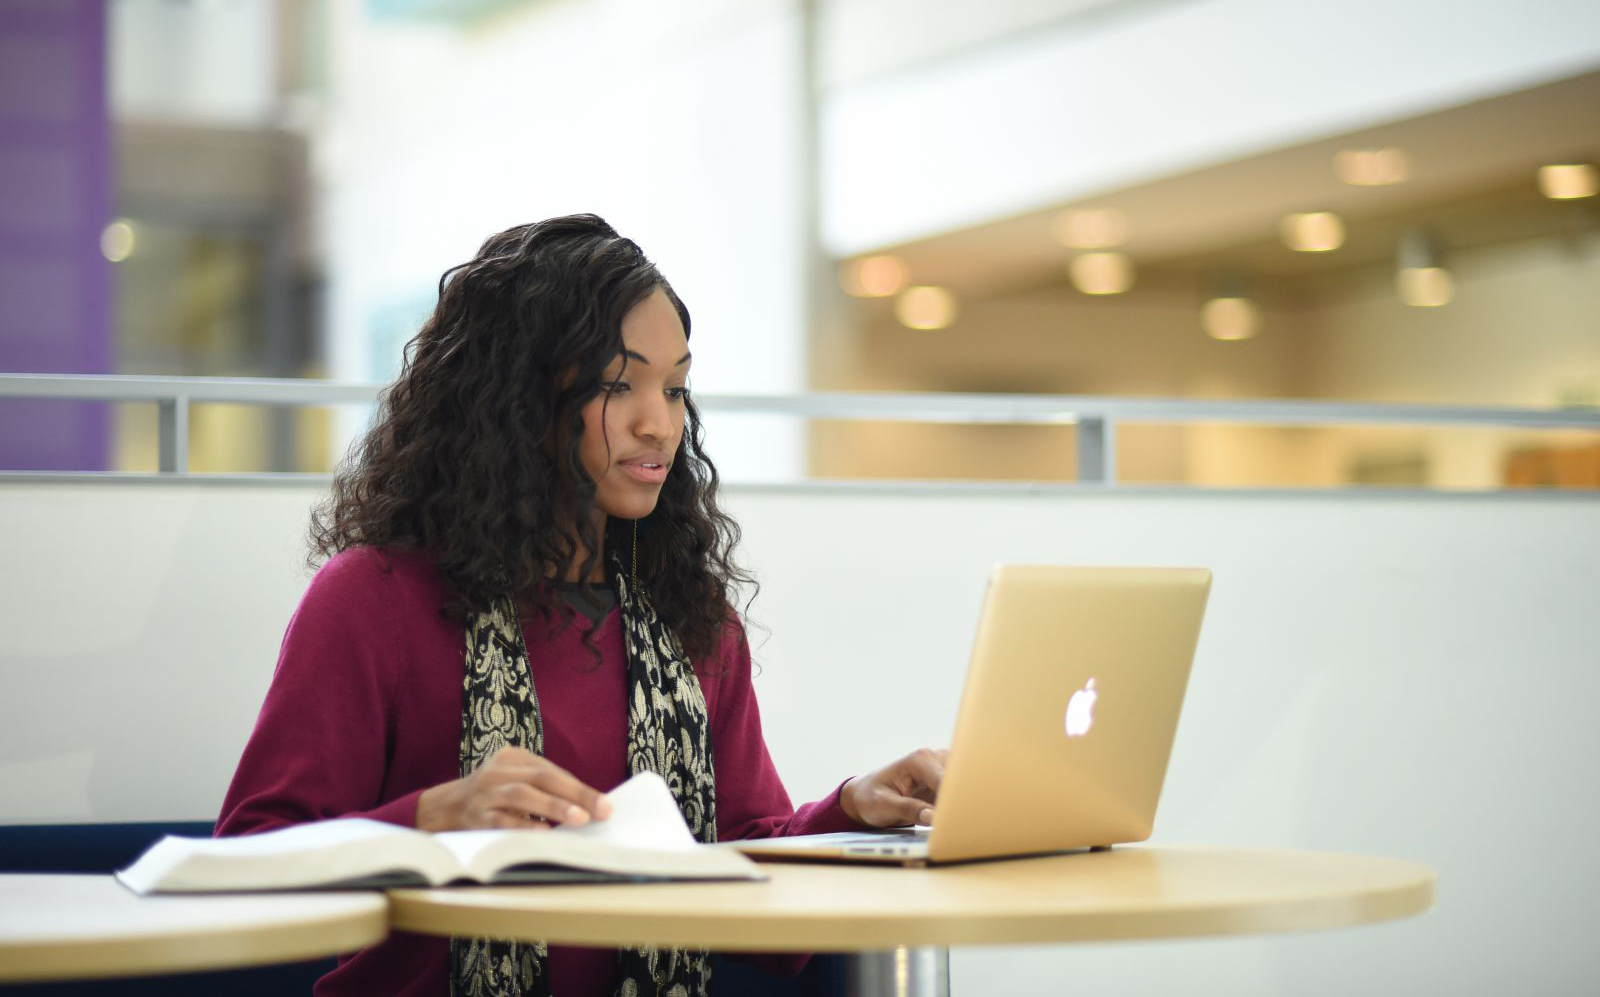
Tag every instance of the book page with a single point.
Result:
(643, 815)
(304, 855)
(298, 837)
(645, 837)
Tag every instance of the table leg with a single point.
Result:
(900, 972)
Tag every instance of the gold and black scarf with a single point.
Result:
(668, 733)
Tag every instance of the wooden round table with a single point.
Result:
(1126, 893)
(61, 927)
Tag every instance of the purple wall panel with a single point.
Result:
(55, 199)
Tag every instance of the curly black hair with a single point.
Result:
(473, 454)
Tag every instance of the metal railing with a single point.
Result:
(1095, 417)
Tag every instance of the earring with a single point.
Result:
(633, 572)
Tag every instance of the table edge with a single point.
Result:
(154, 953)
(418, 910)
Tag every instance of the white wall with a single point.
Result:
(1401, 675)
(1398, 676)
(679, 125)
(864, 39)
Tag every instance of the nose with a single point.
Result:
(655, 420)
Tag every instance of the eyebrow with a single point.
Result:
(631, 355)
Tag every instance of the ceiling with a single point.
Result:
(1472, 183)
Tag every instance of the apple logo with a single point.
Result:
(1080, 710)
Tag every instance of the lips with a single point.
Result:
(649, 469)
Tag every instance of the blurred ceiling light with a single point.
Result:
(1425, 287)
(1371, 167)
(1230, 318)
(1101, 273)
(1569, 181)
(117, 240)
(925, 307)
(1091, 228)
(1421, 281)
(1313, 232)
(874, 277)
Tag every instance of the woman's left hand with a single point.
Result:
(899, 794)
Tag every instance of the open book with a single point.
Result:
(645, 838)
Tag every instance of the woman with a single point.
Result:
(527, 597)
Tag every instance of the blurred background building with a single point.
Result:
(1220, 199)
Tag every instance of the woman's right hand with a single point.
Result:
(515, 788)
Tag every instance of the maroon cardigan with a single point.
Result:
(364, 713)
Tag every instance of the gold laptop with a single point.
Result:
(1066, 722)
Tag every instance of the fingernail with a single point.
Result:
(576, 815)
(602, 807)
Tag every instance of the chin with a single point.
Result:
(631, 509)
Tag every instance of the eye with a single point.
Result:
(678, 394)
(614, 387)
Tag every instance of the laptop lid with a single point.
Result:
(1070, 709)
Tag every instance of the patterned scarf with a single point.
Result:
(668, 733)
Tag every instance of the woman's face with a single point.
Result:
(631, 429)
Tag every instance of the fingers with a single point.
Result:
(900, 793)
(513, 755)
(513, 789)
(881, 806)
(499, 819)
(926, 768)
(564, 798)
(903, 811)
(524, 801)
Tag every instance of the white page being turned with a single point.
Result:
(645, 836)
(643, 816)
